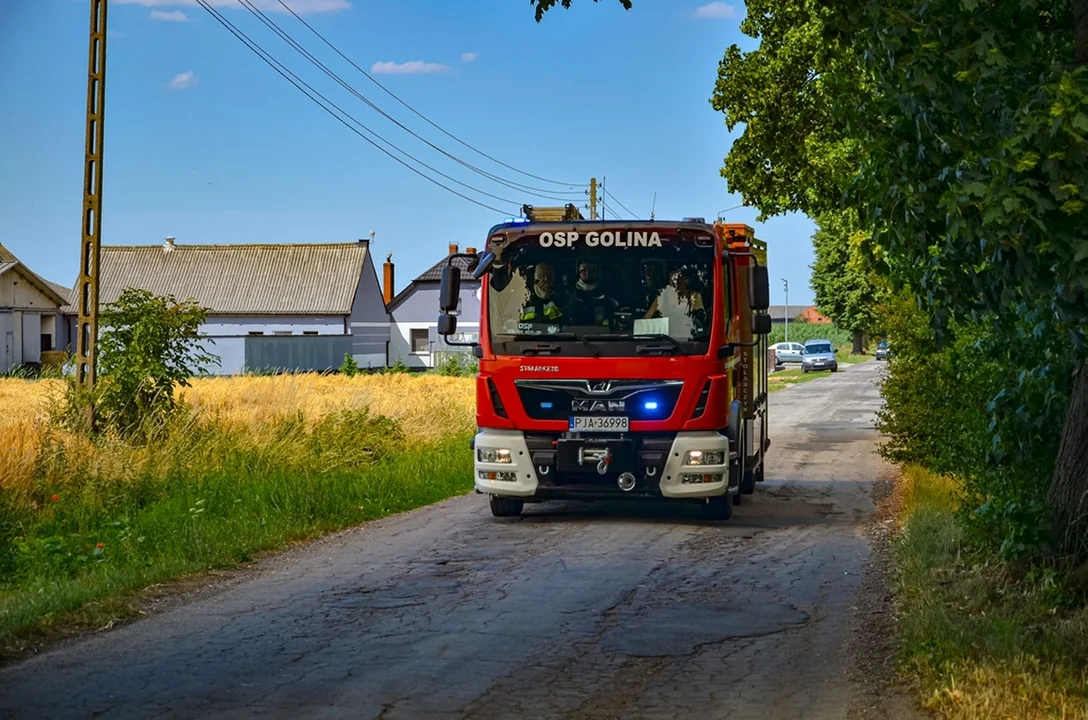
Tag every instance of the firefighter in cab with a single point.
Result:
(591, 305)
(543, 305)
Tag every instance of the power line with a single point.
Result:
(286, 37)
(633, 215)
(299, 83)
(423, 117)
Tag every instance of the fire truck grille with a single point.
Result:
(637, 399)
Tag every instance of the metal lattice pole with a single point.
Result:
(91, 229)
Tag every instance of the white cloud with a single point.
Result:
(715, 11)
(413, 67)
(172, 16)
(302, 7)
(469, 57)
(183, 81)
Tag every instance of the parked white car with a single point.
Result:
(788, 352)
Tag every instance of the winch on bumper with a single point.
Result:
(513, 463)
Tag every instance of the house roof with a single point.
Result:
(8, 262)
(433, 274)
(243, 279)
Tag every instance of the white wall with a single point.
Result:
(400, 343)
(226, 326)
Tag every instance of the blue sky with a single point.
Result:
(205, 142)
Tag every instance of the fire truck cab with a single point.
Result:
(618, 359)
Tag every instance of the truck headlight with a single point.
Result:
(493, 455)
(704, 457)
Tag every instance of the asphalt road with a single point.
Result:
(596, 611)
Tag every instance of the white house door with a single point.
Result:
(7, 342)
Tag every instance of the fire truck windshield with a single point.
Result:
(611, 296)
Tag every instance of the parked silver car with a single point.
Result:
(819, 355)
(788, 352)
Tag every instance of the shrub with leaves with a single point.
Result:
(147, 346)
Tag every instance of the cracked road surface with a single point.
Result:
(607, 610)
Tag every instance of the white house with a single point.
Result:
(271, 306)
(29, 311)
(414, 338)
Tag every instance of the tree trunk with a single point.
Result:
(1068, 494)
(859, 342)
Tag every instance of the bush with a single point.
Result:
(147, 345)
(985, 407)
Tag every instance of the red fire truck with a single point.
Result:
(618, 359)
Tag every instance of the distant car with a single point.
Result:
(883, 350)
(788, 352)
(819, 355)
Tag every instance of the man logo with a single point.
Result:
(599, 388)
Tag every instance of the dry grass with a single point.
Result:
(426, 407)
(981, 639)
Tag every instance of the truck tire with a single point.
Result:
(718, 508)
(748, 482)
(505, 506)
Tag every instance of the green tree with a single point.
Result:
(846, 286)
(975, 178)
(543, 6)
(148, 345)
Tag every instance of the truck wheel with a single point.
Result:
(506, 507)
(718, 508)
(748, 482)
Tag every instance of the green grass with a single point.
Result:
(788, 378)
(981, 639)
(72, 559)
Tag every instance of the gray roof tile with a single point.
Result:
(266, 279)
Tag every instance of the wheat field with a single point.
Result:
(426, 407)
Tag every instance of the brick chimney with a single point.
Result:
(387, 279)
(453, 248)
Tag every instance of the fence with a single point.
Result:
(296, 353)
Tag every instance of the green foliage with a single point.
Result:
(458, 364)
(397, 368)
(543, 6)
(147, 346)
(349, 367)
(846, 286)
(984, 410)
(788, 93)
(803, 332)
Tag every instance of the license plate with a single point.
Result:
(610, 423)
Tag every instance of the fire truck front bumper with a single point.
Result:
(689, 465)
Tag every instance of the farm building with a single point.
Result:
(30, 308)
(271, 306)
(797, 313)
(413, 338)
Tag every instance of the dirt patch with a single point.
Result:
(879, 693)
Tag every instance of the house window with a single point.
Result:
(255, 332)
(284, 332)
(309, 332)
(420, 341)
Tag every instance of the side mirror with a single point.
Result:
(761, 324)
(759, 288)
(447, 324)
(449, 291)
(483, 265)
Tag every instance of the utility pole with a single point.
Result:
(91, 226)
(787, 284)
(593, 198)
